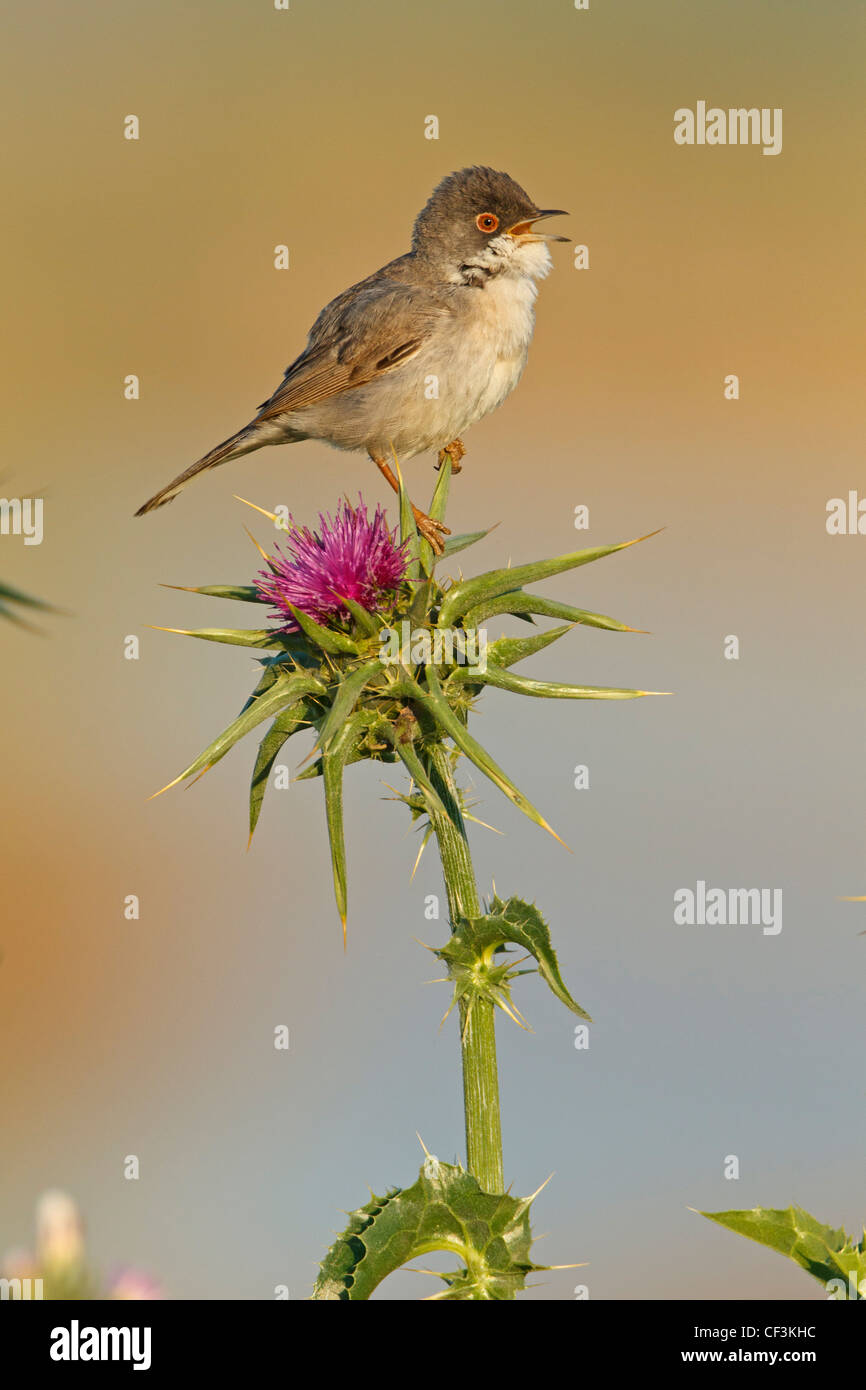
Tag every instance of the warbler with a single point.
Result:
(406, 360)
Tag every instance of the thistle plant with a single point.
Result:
(366, 647)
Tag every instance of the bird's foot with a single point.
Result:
(432, 531)
(455, 451)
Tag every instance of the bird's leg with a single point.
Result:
(455, 450)
(431, 530)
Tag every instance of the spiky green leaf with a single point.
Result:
(408, 531)
(454, 544)
(273, 668)
(445, 1209)
(245, 593)
(439, 501)
(521, 605)
(366, 622)
(284, 691)
(543, 690)
(287, 722)
(406, 752)
(346, 698)
(328, 638)
(264, 637)
(471, 592)
(436, 510)
(507, 651)
(471, 953)
(825, 1253)
(334, 760)
(434, 701)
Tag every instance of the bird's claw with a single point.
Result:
(455, 451)
(432, 532)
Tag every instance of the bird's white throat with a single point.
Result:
(505, 256)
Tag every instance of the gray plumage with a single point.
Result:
(410, 357)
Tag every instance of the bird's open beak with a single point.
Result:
(522, 231)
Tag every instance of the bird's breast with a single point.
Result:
(498, 317)
(465, 369)
(491, 340)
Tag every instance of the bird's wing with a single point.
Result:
(370, 330)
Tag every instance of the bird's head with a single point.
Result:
(479, 220)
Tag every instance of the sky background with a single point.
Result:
(155, 257)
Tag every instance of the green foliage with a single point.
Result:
(334, 680)
(469, 593)
(363, 701)
(446, 1209)
(286, 723)
(523, 605)
(476, 942)
(830, 1256)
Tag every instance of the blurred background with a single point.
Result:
(154, 257)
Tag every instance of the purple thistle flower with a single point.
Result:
(352, 557)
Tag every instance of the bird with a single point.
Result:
(405, 361)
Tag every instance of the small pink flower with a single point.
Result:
(133, 1284)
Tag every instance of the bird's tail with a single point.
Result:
(241, 443)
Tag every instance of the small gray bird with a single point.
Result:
(409, 358)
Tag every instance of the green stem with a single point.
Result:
(480, 1076)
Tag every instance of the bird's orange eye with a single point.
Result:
(487, 221)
